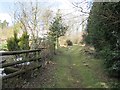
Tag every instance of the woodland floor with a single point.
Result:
(70, 68)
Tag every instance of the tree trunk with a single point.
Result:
(57, 44)
(54, 49)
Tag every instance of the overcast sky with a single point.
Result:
(7, 6)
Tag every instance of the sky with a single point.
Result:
(7, 7)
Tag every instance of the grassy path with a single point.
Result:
(70, 68)
(75, 69)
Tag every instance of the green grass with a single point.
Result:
(72, 73)
(69, 71)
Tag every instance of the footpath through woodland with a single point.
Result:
(72, 67)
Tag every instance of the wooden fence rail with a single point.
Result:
(19, 52)
(20, 72)
(14, 71)
(19, 62)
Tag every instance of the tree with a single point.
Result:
(57, 29)
(33, 20)
(103, 33)
(3, 24)
(28, 16)
(46, 17)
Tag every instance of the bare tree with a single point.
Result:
(29, 15)
(47, 17)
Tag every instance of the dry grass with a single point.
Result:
(6, 33)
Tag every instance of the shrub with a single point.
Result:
(12, 43)
(69, 43)
(115, 69)
(24, 41)
(112, 61)
(114, 64)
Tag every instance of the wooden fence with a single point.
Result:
(13, 68)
